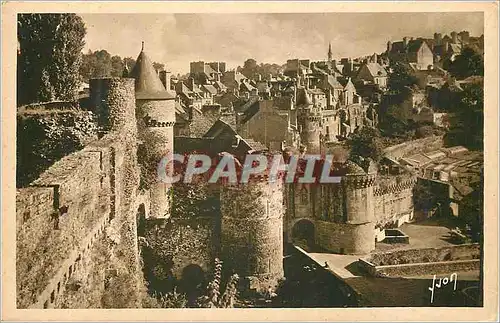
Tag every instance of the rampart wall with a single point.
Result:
(75, 224)
(394, 201)
(414, 147)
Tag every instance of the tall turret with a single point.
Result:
(309, 122)
(252, 232)
(359, 208)
(156, 118)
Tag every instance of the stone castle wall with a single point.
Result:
(76, 233)
(414, 147)
(252, 232)
(345, 238)
(187, 242)
(156, 132)
(394, 201)
(348, 217)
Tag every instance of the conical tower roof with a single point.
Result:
(303, 98)
(147, 82)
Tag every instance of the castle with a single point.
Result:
(79, 224)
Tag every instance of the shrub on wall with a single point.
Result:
(44, 138)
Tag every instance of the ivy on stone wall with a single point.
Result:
(194, 200)
(44, 138)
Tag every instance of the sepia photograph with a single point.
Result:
(251, 160)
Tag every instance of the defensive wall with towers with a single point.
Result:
(78, 224)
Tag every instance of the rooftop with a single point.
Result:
(147, 83)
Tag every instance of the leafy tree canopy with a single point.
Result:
(50, 56)
(366, 143)
(251, 68)
(468, 63)
(401, 78)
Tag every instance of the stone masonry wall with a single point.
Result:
(187, 241)
(76, 235)
(252, 232)
(391, 207)
(408, 256)
(156, 120)
(345, 238)
(414, 147)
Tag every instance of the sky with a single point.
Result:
(177, 39)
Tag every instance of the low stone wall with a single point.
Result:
(430, 268)
(398, 237)
(426, 255)
(414, 147)
(468, 255)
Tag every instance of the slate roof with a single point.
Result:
(217, 128)
(303, 98)
(220, 85)
(254, 145)
(247, 86)
(147, 83)
(210, 89)
(376, 69)
(412, 47)
(333, 83)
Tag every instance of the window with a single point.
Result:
(304, 196)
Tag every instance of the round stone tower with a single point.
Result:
(359, 208)
(252, 232)
(113, 100)
(309, 122)
(155, 111)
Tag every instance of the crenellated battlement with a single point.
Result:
(395, 187)
(359, 181)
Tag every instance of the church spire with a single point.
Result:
(330, 55)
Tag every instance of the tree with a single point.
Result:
(50, 56)
(468, 63)
(103, 64)
(158, 66)
(89, 61)
(366, 143)
(249, 68)
(401, 78)
(467, 125)
(117, 66)
(395, 122)
(129, 62)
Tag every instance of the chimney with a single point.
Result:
(464, 36)
(454, 38)
(191, 82)
(405, 41)
(389, 46)
(163, 78)
(167, 83)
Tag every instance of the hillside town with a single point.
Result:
(403, 128)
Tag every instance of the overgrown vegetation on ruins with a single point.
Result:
(217, 293)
